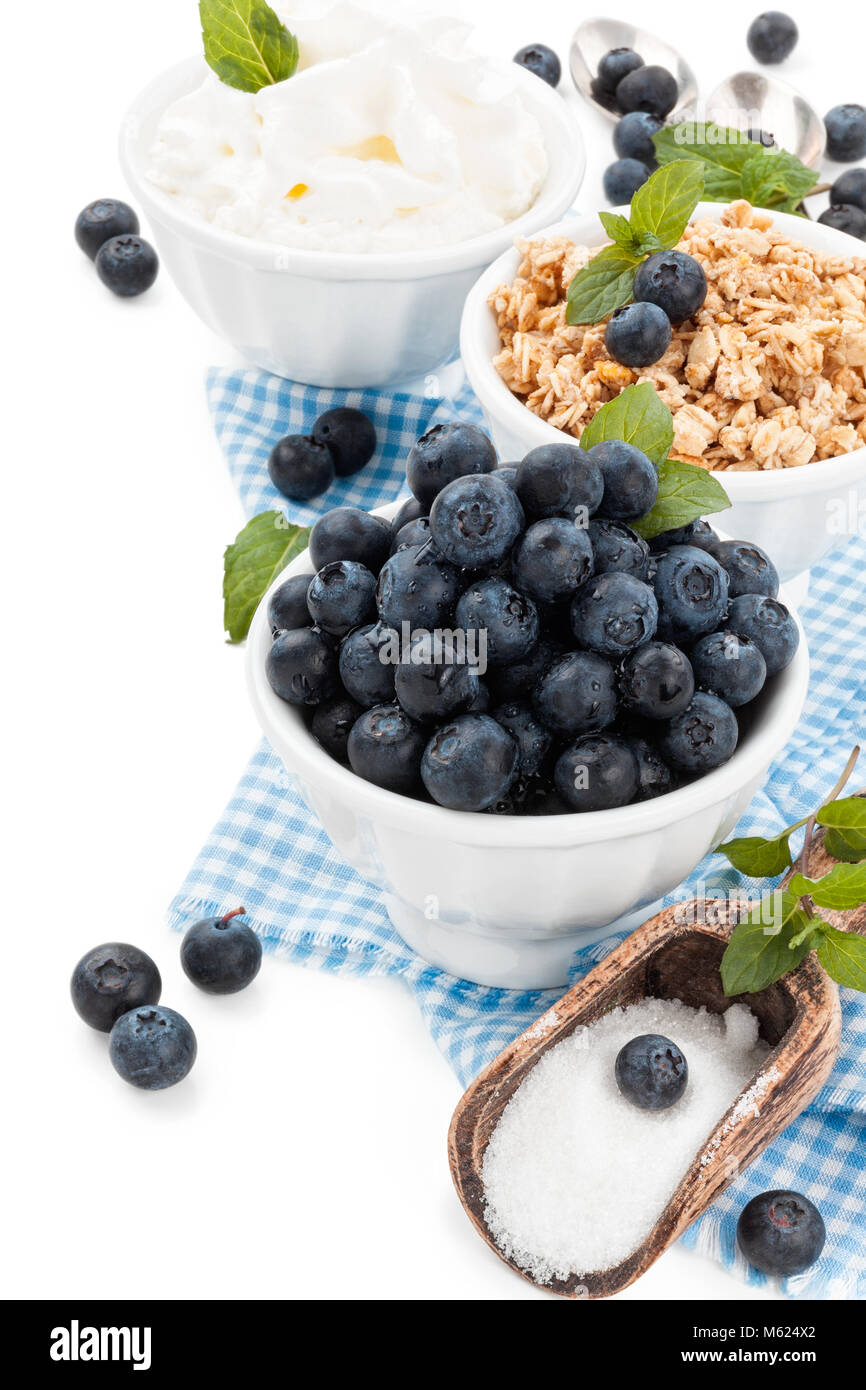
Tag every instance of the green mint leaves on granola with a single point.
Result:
(658, 216)
(246, 43)
(734, 166)
(252, 562)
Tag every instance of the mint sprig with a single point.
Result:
(658, 216)
(252, 562)
(734, 166)
(246, 43)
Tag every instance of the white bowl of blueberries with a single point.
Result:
(518, 718)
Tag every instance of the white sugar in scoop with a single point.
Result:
(575, 1176)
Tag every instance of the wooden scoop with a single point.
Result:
(675, 955)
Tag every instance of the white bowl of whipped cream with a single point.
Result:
(330, 225)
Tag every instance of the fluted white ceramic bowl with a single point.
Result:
(330, 319)
(796, 514)
(508, 900)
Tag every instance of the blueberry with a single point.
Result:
(638, 335)
(128, 265)
(845, 217)
(556, 479)
(480, 702)
(542, 61)
(410, 510)
(418, 587)
(469, 763)
(507, 473)
(633, 137)
(648, 88)
(435, 679)
(385, 747)
(630, 481)
(475, 521)
(761, 137)
(749, 568)
(616, 64)
(781, 1233)
(576, 694)
(332, 724)
(100, 221)
(698, 533)
(729, 666)
(507, 618)
(348, 533)
(703, 737)
(532, 739)
(772, 37)
(221, 955)
(152, 1047)
(110, 980)
(597, 773)
(452, 450)
(552, 559)
(654, 776)
(674, 281)
(692, 592)
(613, 614)
(770, 626)
(349, 436)
(300, 468)
(301, 667)
(651, 1072)
(287, 606)
(623, 178)
(518, 680)
(850, 188)
(846, 133)
(368, 677)
(341, 596)
(603, 96)
(657, 681)
(615, 546)
(414, 533)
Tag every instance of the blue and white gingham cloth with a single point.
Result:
(268, 851)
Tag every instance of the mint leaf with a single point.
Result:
(841, 845)
(246, 43)
(843, 956)
(637, 416)
(604, 284)
(618, 229)
(775, 176)
(685, 493)
(758, 857)
(254, 559)
(759, 950)
(842, 888)
(661, 208)
(722, 151)
(845, 826)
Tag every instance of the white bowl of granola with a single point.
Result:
(767, 386)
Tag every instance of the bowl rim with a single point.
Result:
(284, 728)
(501, 403)
(563, 140)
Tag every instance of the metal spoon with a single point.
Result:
(753, 101)
(595, 37)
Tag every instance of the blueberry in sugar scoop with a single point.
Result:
(654, 776)
(674, 281)
(577, 694)
(301, 666)
(648, 88)
(349, 436)
(623, 178)
(633, 137)
(332, 723)
(341, 596)
(701, 738)
(772, 37)
(503, 621)
(434, 679)
(651, 1072)
(749, 568)
(368, 662)
(152, 1047)
(597, 773)
(385, 747)
(769, 625)
(300, 468)
(615, 546)
(552, 559)
(692, 592)
(470, 763)
(558, 480)
(221, 955)
(455, 449)
(730, 666)
(100, 221)
(540, 60)
(657, 681)
(845, 217)
(533, 740)
(850, 189)
(630, 481)
(846, 132)
(287, 606)
(110, 980)
(781, 1233)
(127, 265)
(613, 614)
(348, 533)
(475, 521)
(638, 335)
(417, 586)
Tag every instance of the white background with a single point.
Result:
(305, 1155)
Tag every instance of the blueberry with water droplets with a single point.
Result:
(654, 776)
(504, 621)
(454, 449)
(348, 533)
(221, 955)
(674, 281)
(657, 681)
(435, 679)
(470, 763)
(300, 468)
(781, 1232)
(385, 747)
(100, 221)
(518, 680)
(701, 738)
(633, 136)
(558, 479)
(301, 667)
(730, 666)
(615, 546)
(552, 559)
(769, 625)
(332, 723)
(368, 660)
(342, 596)
(614, 613)
(127, 265)
(651, 1072)
(597, 773)
(533, 740)
(623, 178)
(698, 533)
(630, 481)
(152, 1047)
(416, 585)
(648, 88)
(845, 217)
(576, 694)
(638, 335)
(287, 606)
(692, 592)
(537, 58)
(475, 520)
(410, 509)
(772, 37)
(846, 132)
(749, 568)
(349, 436)
(414, 533)
(110, 980)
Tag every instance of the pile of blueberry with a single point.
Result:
(107, 232)
(116, 988)
(303, 466)
(615, 669)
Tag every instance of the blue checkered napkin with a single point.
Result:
(269, 852)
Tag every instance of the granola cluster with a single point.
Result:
(770, 374)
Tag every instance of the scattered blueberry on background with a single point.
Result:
(152, 1047)
(340, 443)
(541, 60)
(772, 37)
(221, 954)
(107, 232)
(110, 980)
